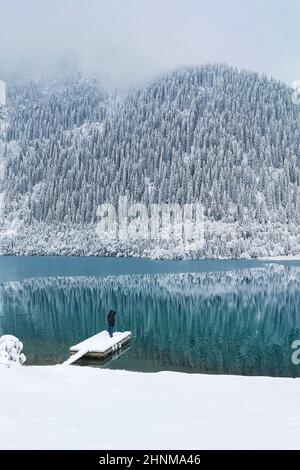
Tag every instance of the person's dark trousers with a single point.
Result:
(110, 330)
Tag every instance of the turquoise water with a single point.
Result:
(224, 317)
(24, 267)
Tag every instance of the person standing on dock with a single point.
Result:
(111, 322)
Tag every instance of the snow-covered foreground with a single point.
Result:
(65, 407)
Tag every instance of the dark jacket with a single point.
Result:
(111, 318)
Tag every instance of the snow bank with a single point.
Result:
(81, 407)
(282, 258)
(11, 351)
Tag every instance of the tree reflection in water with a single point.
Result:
(234, 322)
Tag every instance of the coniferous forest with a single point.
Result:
(225, 138)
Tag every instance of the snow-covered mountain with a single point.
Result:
(228, 139)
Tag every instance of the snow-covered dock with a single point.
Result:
(100, 345)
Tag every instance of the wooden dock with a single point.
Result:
(99, 346)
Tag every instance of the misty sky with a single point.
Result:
(128, 41)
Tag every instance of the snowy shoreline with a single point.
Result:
(65, 407)
(221, 241)
(281, 258)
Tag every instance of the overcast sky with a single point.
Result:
(128, 41)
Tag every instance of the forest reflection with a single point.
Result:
(238, 322)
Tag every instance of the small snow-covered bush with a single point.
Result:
(11, 351)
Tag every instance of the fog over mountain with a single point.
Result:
(127, 43)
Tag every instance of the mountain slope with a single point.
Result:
(227, 139)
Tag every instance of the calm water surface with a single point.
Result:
(224, 317)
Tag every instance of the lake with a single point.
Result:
(220, 317)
